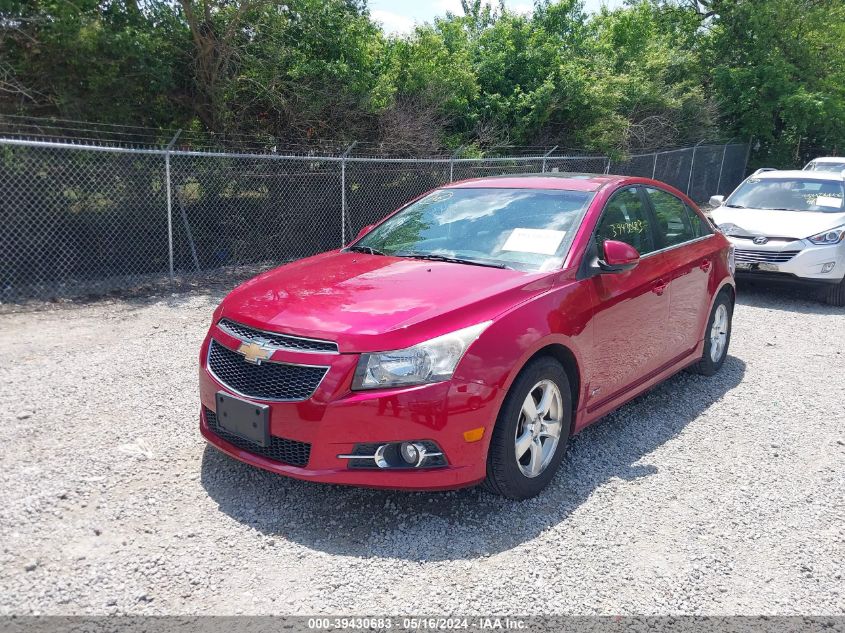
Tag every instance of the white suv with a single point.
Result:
(789, 225)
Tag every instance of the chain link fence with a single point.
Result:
(84, 220)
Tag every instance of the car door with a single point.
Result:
(689, 256)
(631, 308)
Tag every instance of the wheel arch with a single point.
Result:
(727, 287)
(565, 356)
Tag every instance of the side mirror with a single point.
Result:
(364, 231)
(618, 257)
(716, 201)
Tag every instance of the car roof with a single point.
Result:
(829, 159)
(563, 181)
(800, 174)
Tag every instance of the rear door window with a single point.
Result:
(700, 226)
(675, 224)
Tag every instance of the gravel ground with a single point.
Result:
(706, 496)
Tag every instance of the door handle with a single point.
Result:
(705, 265)
(659, 287)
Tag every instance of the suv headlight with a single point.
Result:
(426, 362)
(831, 236)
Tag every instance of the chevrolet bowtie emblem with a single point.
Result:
(254, 353)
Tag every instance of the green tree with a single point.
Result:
(651, 73)
(777, 69)
(100, 61)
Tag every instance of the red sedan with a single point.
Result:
(468, 335)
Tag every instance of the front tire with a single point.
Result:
(835, 295)
(531, 432)
(717, 337)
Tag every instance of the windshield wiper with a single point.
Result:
(364, 249)
(736, 206)
(453, 260)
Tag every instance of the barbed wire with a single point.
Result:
(71, 131)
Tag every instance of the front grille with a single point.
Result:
(267, 381)
(770, 257)
(272, 339)
(770, 238)
(280, 450)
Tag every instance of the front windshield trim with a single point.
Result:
(579, 201)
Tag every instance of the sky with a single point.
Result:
(399, 16)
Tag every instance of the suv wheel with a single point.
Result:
(836, 294)
(531, 432)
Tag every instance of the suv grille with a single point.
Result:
(280, 450)
(747, 256)
(267, 381)
(281, 341)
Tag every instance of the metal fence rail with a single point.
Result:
(86, 219)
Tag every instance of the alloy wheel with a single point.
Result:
(719, 333)
(539, 428)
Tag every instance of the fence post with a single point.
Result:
(747, 157)
(607, 167)
(654, 167)
(692, 166)
(343, 193)
(169, 201)
(452, 158)
(546, 155)
(721, 167)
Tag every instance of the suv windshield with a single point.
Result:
(791, 194)
(526, 229)
(824, 166)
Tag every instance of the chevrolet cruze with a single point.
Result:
(467, 336)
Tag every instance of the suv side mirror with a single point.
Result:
(716, 201)
(364, 231)
(618, 257)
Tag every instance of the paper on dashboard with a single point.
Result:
(540, 241)
(828, 201)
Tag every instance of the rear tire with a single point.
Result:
(835, 295)
(717, 337)
(542, 388)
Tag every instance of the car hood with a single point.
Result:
(795, 224)
(376, 303)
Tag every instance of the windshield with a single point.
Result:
(824, 166)
(526, 229)
(792, 194)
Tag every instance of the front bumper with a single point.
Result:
(335, 419)
(805, 261)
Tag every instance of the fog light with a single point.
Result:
(826, 268)
(410, 453)
(393, 455)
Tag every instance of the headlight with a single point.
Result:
(430, 361)
(727, 227)
(831, 236)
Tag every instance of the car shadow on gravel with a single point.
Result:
(466, 523)
(784, 296)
